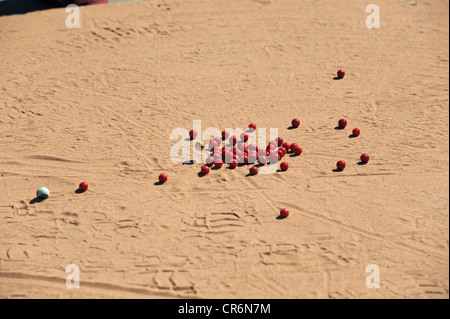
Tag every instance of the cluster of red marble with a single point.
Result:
(239, 153)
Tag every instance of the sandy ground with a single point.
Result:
(70, 111)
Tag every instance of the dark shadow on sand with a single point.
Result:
(338, 128)
(280, 217)
(336, 170)
(158, 183)
(79, 191)
(361, 163)
(336, 78)
(36, 200)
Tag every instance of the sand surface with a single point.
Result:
(70, 111)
